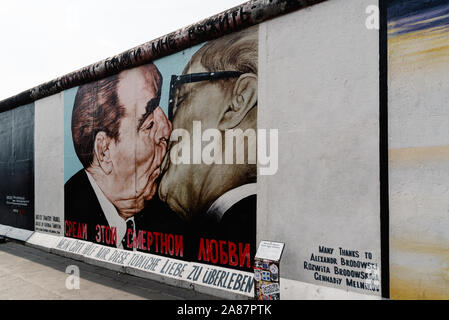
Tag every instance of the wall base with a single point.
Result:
(290, 289)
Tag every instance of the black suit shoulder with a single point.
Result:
(81, 204)
(158, 217)
(237, 225)
(239, 221)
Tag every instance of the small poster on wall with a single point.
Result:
(267, 271)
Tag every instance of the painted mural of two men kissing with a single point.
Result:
(133, 180)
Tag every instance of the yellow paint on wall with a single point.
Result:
(414, 290)
(419, 270)
(424, 49)
(416, 156)
(419, 256)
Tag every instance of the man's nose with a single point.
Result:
(164, 127)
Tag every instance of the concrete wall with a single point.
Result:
(49, 165)
(318, 84)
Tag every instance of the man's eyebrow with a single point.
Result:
(150, 107)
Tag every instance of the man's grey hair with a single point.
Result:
(233, 52)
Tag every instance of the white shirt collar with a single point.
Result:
(229, 198)
(110, 212)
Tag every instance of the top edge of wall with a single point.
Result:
(237, 18)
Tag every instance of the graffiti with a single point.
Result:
(219, 25)
(168, 43)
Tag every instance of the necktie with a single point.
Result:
(129, 225)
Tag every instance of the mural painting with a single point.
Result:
(418, 68)
(161, 158)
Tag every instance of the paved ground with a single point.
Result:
(28, 273)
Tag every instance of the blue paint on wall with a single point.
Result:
(71, 163)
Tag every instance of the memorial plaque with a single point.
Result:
(267, 271)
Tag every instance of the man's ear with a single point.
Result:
(102, 153)
(244, 98)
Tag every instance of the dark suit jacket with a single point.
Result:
(158, 217)
(237, 225)
(82, 206)
(239, 222)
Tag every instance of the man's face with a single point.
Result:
(142, 143)
(182, 185)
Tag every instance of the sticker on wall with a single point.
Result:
(266, 270)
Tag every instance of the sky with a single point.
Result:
(42, 40)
